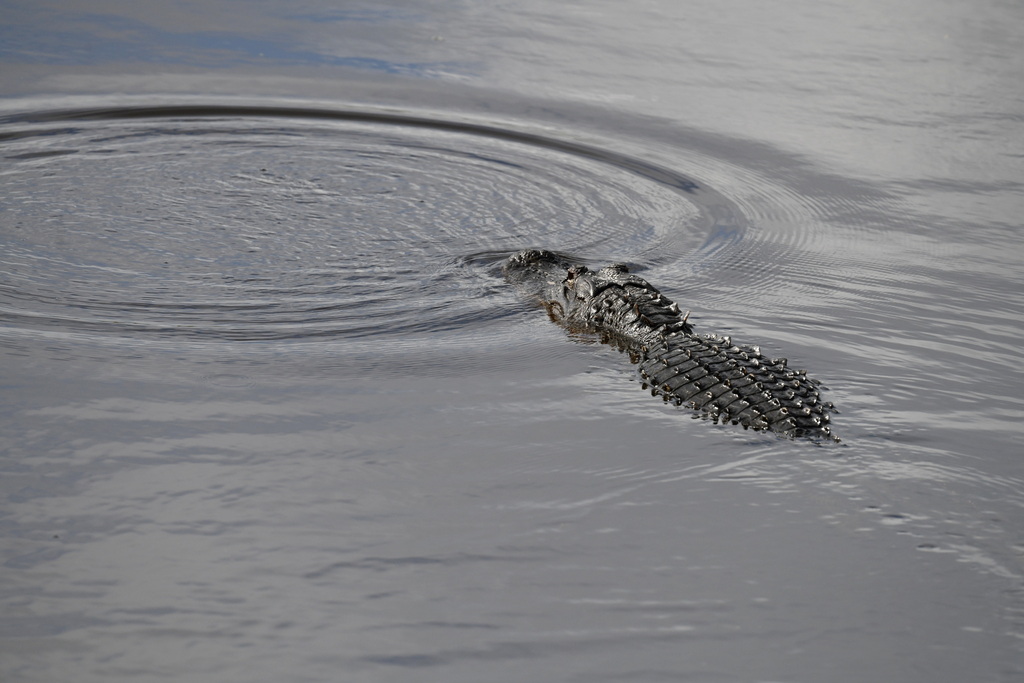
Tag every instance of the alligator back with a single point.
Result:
(725, 381)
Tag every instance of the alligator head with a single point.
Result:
(541, 275)
(577, 296)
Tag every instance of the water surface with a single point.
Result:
(271, 412)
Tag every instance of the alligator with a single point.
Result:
(723, 381)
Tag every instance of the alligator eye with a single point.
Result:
(584, 288)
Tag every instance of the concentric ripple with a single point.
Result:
(233, 223)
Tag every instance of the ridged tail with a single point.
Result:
(734, 384)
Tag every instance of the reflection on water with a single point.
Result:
(271, 412)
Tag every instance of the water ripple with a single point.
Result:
(250, 224)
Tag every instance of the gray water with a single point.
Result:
(270, 412)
